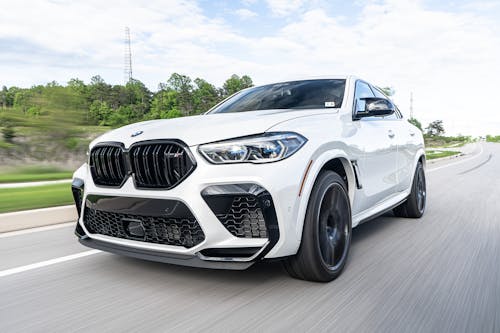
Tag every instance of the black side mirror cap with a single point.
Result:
(375, 106)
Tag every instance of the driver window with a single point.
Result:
(362, 90)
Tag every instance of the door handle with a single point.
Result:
(412, 133)
(391, 134)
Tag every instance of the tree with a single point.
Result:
(389, 91)
(98, 89)
(436, 128)
(3, 96)
(78, 86)
(205, 96)
(10, 95)
(22, 99)
(415, 122)
(163, 102)
(235, 84)
(139, 96)
(99, 112)
(184, 87)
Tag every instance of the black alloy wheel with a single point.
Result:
(326, 235)
(415, 204)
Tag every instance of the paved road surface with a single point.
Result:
(437, 274)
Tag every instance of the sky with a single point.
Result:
(446, 53)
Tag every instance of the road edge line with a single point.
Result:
(36, 229)
(50, 262)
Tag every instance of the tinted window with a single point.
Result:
(362, 90)
(307, 94)
(378, 93)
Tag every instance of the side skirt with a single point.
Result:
(380, 208)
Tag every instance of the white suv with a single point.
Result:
(283, 170)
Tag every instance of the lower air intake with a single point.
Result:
(166, 222)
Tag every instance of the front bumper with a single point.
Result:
(220, 248)
(165, 257)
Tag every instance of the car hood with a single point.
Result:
(196, 130)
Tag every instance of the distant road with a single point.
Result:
(437, 274)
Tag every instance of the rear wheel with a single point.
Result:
(414, 206)
(326, 236)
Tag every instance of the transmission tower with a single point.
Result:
(128, 57)
(411, 105)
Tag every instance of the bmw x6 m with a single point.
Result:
(283, 170)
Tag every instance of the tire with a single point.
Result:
(326, 236)
(414, 206)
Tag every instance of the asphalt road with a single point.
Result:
(437, 274)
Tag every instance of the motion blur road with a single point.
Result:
(440, 273)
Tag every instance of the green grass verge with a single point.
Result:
(32, 174)
(22, 198)
(491, 138)
(5, 145)
(433, 154)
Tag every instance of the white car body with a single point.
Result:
(379, 156)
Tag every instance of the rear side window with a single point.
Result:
(305, 94)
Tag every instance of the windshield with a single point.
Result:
(307, 94)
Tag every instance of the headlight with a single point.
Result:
(264, 148)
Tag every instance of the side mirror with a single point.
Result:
(375, 106)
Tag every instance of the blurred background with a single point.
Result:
(72, 71)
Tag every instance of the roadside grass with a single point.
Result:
(5, 145)
(491, 138)
(23, 198)
(33, 173)
(446, 141)
(433, 154)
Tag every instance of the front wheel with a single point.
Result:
(326, 235)
(414, 206)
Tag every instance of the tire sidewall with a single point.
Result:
(324, 181)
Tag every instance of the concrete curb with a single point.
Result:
(37, 218)
(32, 184)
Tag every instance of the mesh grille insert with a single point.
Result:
(176, 231)
(245, 218)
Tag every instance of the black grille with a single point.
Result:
(176, 231)
(160, 165)
(153, 164)
(245, 218)
(107, 165)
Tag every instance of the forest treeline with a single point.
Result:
(100, 103)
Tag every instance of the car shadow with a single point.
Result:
(258, 273)
(370, 228)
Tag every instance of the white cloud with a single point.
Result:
(285, 7)
(245, 13)
(447, 59)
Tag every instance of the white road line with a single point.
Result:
(33, 230)
(459, 162)
(46, 263)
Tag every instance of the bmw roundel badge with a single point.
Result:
(137, 134)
